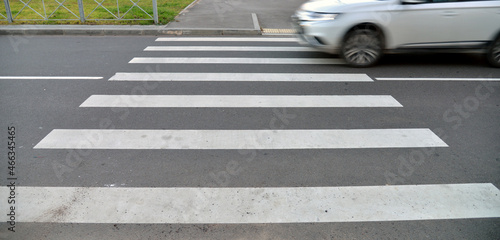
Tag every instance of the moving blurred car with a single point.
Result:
(362, 30)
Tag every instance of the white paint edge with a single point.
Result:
(241, 77)
(255, 21)
(239, 139)
(254, 205)
(187, 8)
(241, 101)
(207, 60)
(50, 77)
(438, 79)
(230, 48)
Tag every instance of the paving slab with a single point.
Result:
(273, 14)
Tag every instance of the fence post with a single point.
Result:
(7, 9)
(155, 12)
(80, 8)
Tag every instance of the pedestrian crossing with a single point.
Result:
(252, 204)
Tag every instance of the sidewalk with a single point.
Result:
(267, 15)
(202, 17)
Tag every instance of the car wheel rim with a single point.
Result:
(362, 49)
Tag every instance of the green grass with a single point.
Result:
(167, 11)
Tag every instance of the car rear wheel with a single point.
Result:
(362, 48)
(494, 53)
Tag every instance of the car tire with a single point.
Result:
(362, 47)
(493, 53)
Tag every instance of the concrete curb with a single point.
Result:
(113, 31)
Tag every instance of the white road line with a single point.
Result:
(224, 39)
(254, 205)
(207, 60)
(239, 139)
(438, 79)
(50, 77)
(241, 77)
(241, 101)
(230, 48)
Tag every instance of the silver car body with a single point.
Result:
(463, 25)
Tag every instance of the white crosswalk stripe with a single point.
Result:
(222, 60)
(239, 101)
(241, 77)
(229, 48)
(239, 139)
(255, 205)
(225, 39)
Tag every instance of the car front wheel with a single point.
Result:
(494, 53)
(362, 48)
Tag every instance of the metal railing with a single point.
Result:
(46, 10)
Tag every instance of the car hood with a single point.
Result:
(342, 5)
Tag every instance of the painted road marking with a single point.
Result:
(230, 48)
(438, 79)
(208, 60)
(241, 101)
(254, 205)
(239, 139)
(224, 39)
(241, 77)
(50, 77)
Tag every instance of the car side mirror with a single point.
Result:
(413, 1)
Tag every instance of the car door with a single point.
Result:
(475, 22)
(424, 24)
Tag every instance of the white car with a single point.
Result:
(362, 30)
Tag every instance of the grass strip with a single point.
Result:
(118, 12)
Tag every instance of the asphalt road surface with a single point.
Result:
(243, 138)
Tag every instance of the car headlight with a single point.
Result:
(316, 16)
